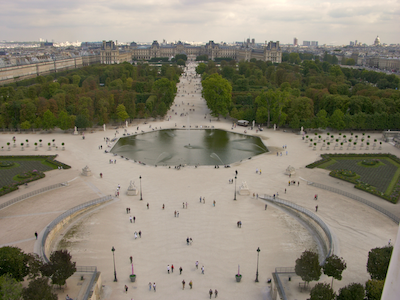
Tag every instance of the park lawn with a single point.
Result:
(23, 164)
(384, 176)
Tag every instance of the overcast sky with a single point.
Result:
(328, 22)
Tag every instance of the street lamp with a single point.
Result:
(140, 178)
(234, 197)
(115, 271)
(258, 254)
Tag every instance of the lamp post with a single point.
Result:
(115, 271)
(234, 196)
(258, 254)
(140, 179)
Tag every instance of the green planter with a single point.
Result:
(238, 277)
(132, 277)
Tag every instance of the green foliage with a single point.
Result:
(203, 57)
(10, 289)
(322, 291)
(121, 113)
(13, 261)
(378, 262)
(217, 93)
(49, 120)
(334, 267)
(353, 291)
(385, 177)
(374, 289)
(307, 266)
(59, 268)
(39, 289)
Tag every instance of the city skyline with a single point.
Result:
(333, 22)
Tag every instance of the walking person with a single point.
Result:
(316, 208)
(202, 270)
(216, 293)
(154, 286)
(126, 289)
(183, 284)
(149, 286)
(134, 219)
(36, 234)
(197, 264)
(191, 284)
(210, 292)
(168, 269)
(180, 270)
(172, 269)
(140, 233)
(130, 258)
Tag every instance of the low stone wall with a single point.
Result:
(49, 242)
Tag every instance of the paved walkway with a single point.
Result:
(218, 243)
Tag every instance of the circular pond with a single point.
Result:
(172, 147)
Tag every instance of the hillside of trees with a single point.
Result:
(309, 93)
(92, 95)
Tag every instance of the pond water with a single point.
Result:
(173, 147)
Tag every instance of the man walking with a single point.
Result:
(210, 292)
(180, 270)
(202, 270)
(197, 264)
(183, 284)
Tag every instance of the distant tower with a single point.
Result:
(377, 41)
(253, 42)
(295, 42)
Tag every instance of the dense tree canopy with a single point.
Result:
(217, 93)
(334, 267)
(59, 268)
(307, 266)
(347, 98)
(322, 291)
(378, 262)
(93, 93)
(14, 261)
(353, 291)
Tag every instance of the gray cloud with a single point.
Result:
(201, 20)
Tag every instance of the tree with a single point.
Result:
(25, 125)
(322, 291)
(65, 121)
(353, 291)
(378, 262)
(321, 120)
(336, 120)
(14, 262)
(10, 289)
(39, 289)
(334, 267)
(82, 121)
(217, 93)
(307, 266)
(49, 120)
(60, 267)
(121, 113)
(201, 68)
(373, 289)
(180, 62)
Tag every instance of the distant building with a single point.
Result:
(295, 42)
(45, 44)
(111, 54)
(306, 43)
(377, 41)
(314, 43)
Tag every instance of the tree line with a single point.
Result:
(305, 93)
(15, 266)
(96, 94)
(309, 269)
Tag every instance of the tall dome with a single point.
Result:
(377, 41)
